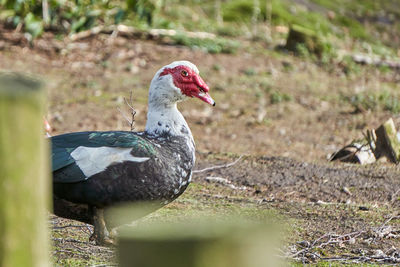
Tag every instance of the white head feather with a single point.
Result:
(162, 88)
(163, 114)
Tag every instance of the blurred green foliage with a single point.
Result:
(216, 45)
(282, 12)
(329, 19)
(143, 9)
(59, 15)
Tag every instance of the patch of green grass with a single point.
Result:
(331, 264)
(216, 67)
(360, 7)
(265, 86)
(214, 46)
(278, 97)
(250, 71)
(355, 28)
(229, 31)
(358, 18)
(381, 50)
(194, 204)
(283, 12)
(76, 262)
(381, 100)
(349, 66)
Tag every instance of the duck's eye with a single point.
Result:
(184, 73)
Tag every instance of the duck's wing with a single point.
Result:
(78, 156)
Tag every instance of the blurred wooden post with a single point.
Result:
(198, 245)
(24, 181)
(387, 142)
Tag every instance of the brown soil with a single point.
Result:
(285, 144)
(285, 180)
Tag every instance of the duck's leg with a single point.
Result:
(100, 233)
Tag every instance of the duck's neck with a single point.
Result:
(163, 116)
(166, 119)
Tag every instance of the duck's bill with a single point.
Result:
(205, 97)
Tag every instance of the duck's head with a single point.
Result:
(176, 82)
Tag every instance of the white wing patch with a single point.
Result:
(92, 160)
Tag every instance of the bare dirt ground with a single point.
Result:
(334, 212)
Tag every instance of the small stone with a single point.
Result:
(213, 179)
(363, 208)
(2, 45)
(134, 69)
(346, 190)
(379, 253)
(119, 99)
(98, 93)
(331, 15)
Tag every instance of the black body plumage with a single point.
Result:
(161, 178)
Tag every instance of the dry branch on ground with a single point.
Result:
(306, 251)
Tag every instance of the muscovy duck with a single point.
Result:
(95, 170)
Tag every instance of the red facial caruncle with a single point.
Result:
(190, 83)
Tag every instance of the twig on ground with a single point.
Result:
(333, 239)
(67, 226)
(218, 166)
(124, 115)
(388, 220)
(74, 252)
(384, 230)
(224, 181)
(393, 197)
(133, 112)
(88, 33)
(69, 240)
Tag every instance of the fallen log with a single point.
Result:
(376, 61)
(129, 31)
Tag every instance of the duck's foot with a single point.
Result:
(100, 234)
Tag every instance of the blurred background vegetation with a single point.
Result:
(333, 21)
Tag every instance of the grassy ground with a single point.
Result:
(285, 114)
